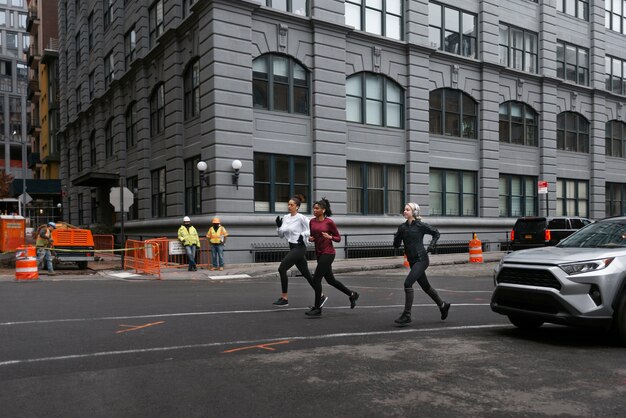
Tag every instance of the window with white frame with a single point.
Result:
(615, 15)
(192, 89)
(615, 70)
(615, 137)
(576, 8)
(518, 48)
(452, 30)
(380, 17)
(572, 197)
(572, 63)
(374, 99)
(519, 124)
(453, 113)
(279, 177)
(375, 189)
(298, 7)
(159, 206)
(453, 193)
(518, 196)
(193, 188)
(615, 199)
(280, 83)
(572, 132)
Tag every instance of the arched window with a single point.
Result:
(615, 134)
(378, 17)
(157, 110)
(374, 99)
(131, 125)
(192, 89)
(572, 132)
(108, 138)
(453, 113)
(518, 124)
(92, 148)
(281, 84)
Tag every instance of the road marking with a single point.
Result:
(230, 276)
(261, 346)
(253, 311)
(136, 327)
(122, 275)
(250, 342)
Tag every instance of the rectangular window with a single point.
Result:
(452, 30)
(615, 199)
(108, 139)
(12, 44)
(78, 99)
(453, 193)
(572, 198)
(159, 208)
(156, 22)
(132, 183)
(107, 7)
(91, 85)
(90, 31)
(572, 63)
(615, 70)
(279, 177)
(80, 209)
(576, 8)
(379, 17)
(77, 43)
(109, 70)
(615, 15)
(130, 45)
(375, 188)
(193, 188)
(518, 48)
(518, 196)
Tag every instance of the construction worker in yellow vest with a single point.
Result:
(188, 236)
(44, 243)
(217, 238)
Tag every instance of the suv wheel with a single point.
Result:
(525, 323)
(620, 320)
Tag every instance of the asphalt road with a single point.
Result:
(128, 348)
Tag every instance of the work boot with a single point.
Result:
(404, 319)
(51, 273)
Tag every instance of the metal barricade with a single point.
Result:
(104, 244)
(172, 253)
(143, 257)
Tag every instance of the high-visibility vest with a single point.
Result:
(215, 237)
(188, 237)
(41, 241)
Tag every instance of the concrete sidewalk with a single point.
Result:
(112, 268)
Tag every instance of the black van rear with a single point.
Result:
(533, 231)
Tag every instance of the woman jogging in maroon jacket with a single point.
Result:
(324, 232)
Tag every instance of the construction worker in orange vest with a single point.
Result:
(217, 238)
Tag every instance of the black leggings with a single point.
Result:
(325, 269)
(296, 256)
(418, 274)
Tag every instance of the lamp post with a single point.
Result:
(22, 200)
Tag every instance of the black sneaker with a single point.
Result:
(323, 301)
(314, 313)
(282, 302)
(353, 298)
(404, 319)
(444, 310)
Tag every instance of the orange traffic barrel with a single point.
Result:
(26, 263)
(475, 250)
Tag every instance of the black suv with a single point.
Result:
(532, 231)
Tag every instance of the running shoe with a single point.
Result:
(314, 313)
(353, 298)
(444, 310)
(404, 319)
(323, 301)
(282, 302)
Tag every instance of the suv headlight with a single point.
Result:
(586, 266)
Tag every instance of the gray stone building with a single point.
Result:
(460, 106)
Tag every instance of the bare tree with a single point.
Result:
(5, 183)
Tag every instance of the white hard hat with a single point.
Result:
(186, 219)
(52, 224)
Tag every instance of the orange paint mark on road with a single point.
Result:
(261, 346)
(136, 327)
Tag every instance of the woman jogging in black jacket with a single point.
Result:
(412, 234)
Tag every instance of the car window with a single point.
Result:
(558, 224)
(606, 234)
(525, 225)
(577, 223)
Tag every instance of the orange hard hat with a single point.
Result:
(216, 220)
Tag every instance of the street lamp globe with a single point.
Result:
(202, 166)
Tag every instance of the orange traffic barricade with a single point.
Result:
(475, 250)
(26, 263)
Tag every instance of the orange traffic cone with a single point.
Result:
(475, 250)
(406, 262)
